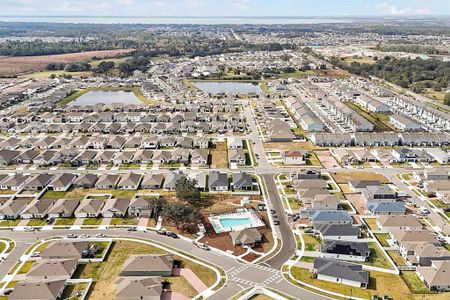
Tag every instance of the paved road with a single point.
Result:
(240, 276)
(287, 237)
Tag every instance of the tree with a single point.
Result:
(187, 191)
(183, 216)
(447, 99)
(156, 205)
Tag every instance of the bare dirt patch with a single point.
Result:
(345, 177)
(23, 64)
(219, 155)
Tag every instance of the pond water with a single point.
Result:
(106, 97)
(231, 87)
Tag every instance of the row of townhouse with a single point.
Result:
(75, 157)
(307, 118)
(412, 139)
(347, 156)
(420, 248)
(347, 115)
(422, 111)
(223, 124)
(103, 142)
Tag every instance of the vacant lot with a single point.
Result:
(345, 177)
(25, 64)
(219, 155)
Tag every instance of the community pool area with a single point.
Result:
(239, 220)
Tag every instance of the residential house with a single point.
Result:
(115, 208)
(293, 157)
(345, 250)
(435, 277)
(249, 237)
(64, 250)
(62, 182)
(148, 265)
(143, 288)
(236, 156)
(152, 181)
(341, 272)
(399, 222)
(37, 209)
(45, 289)
(107, 181)
(330, 217)
(63, 208)
(89, 208)
(86, 181)
(130, 181)
(242, 181)
(218, 182)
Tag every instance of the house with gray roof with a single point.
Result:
(14, 182)
(242, 181)
(386, 208)
(38, 182)
(42, 290)
(152, 181)
(107, 181)
(249, 237)
(171, 179)
(37, 209)
(64, 250)
(130, 181)
(62, 182)
(148, 265)
(89, 208)
(217, 181)
(115, 208)
(53, 269)
(7, 156)
(341, 272)
(11, 209)
(345, 250)
(143, 288)
(86, 181)
(63, 208)
(330, 217)
(236, 156)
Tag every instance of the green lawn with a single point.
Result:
(92, 221)
(307, 259)
(37, 222)
(382, 238)
(414, 283)
(397, 258)
(377, 257)
(311, 242)
(372, 223)
(6, 223)
(123, 221)
(65, 221)
(26, 267)
(53, 194)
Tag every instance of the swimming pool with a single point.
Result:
(228, 222)
(239, 220)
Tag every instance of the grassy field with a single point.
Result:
(380, 125)
(36, 222)
(26, 267)
(360, 59)
(414, 283)
(380, 283)
(123, 221)
(116, 60)
(31, 64)
(349, 176)
(5, 223)
(44, 74)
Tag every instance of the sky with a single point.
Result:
(198, 8)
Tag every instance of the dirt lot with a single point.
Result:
(345, 177)
(357, 201)
(24, 64)
(326, 159)
(219, 155)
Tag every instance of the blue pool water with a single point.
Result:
(232, 222)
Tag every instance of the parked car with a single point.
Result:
(203, 246)
(72, 236)
(100, 235)
(276, 222)
(36, 254)
(161, 231)
(172, 235)
(131, 229)
(85, 236)
(50, 221)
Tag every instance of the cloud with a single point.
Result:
(242, 4)
(393, 10)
